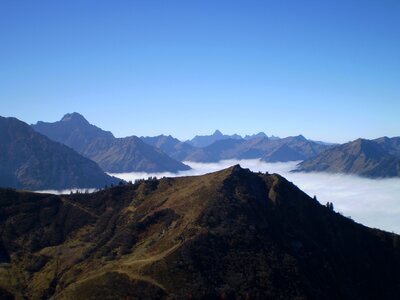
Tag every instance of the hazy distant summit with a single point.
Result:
(206, 140)
(74, 117)
(256, 146)
(376, 158)
(272, 150)
(255, 136)
(202, 141)
(73, 130)
(114, 155)
(172, 146)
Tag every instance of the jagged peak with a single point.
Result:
(217, 133)
(259, 135)
(236, 170)
(301, 137)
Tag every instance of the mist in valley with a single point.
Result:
(372, 202)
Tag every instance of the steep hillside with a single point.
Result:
(29, 160)
(72, 130)
(361, 157)
(282, 154)
(232, 234)
(131, 154)
(116, 155)
(390, 145)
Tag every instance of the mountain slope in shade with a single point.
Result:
(232, 234)
(131, 154)
(173, 147)
(201, 141)
(29, 160)
(114, 155)
(361, 157)
(72, 130)
(390, 145)
(282, 154)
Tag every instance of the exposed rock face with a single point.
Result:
(116, 155)
(231, 234)
(29, 160)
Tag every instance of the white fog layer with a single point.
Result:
(372, 202)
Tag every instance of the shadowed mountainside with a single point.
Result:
(283, 153)
(116, 155)
(231, 234)
(170, 145)
(370, 158)
(29, 160)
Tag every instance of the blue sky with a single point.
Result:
(329, 70)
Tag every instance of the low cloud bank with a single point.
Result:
(372, 202)
(67, 191)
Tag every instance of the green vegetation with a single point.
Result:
(231, 234)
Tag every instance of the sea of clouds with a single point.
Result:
(372, 202)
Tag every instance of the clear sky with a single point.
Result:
(329, 70)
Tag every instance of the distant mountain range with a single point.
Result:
(171, 146)
(258, 146)
(231, 234)
(29, 160)
(376, 158)
(165, 153)
(115, 155)
(201, 141)
(370, 158)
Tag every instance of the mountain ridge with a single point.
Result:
(231, 233)
(30, 160)
(370, 158)
(114, 155)
(254, 147)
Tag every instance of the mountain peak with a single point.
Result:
(74, 117)
(255, 136)
(301, 137)
(236, 168)
(362, 157)
(258, 225)
(217, 133)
